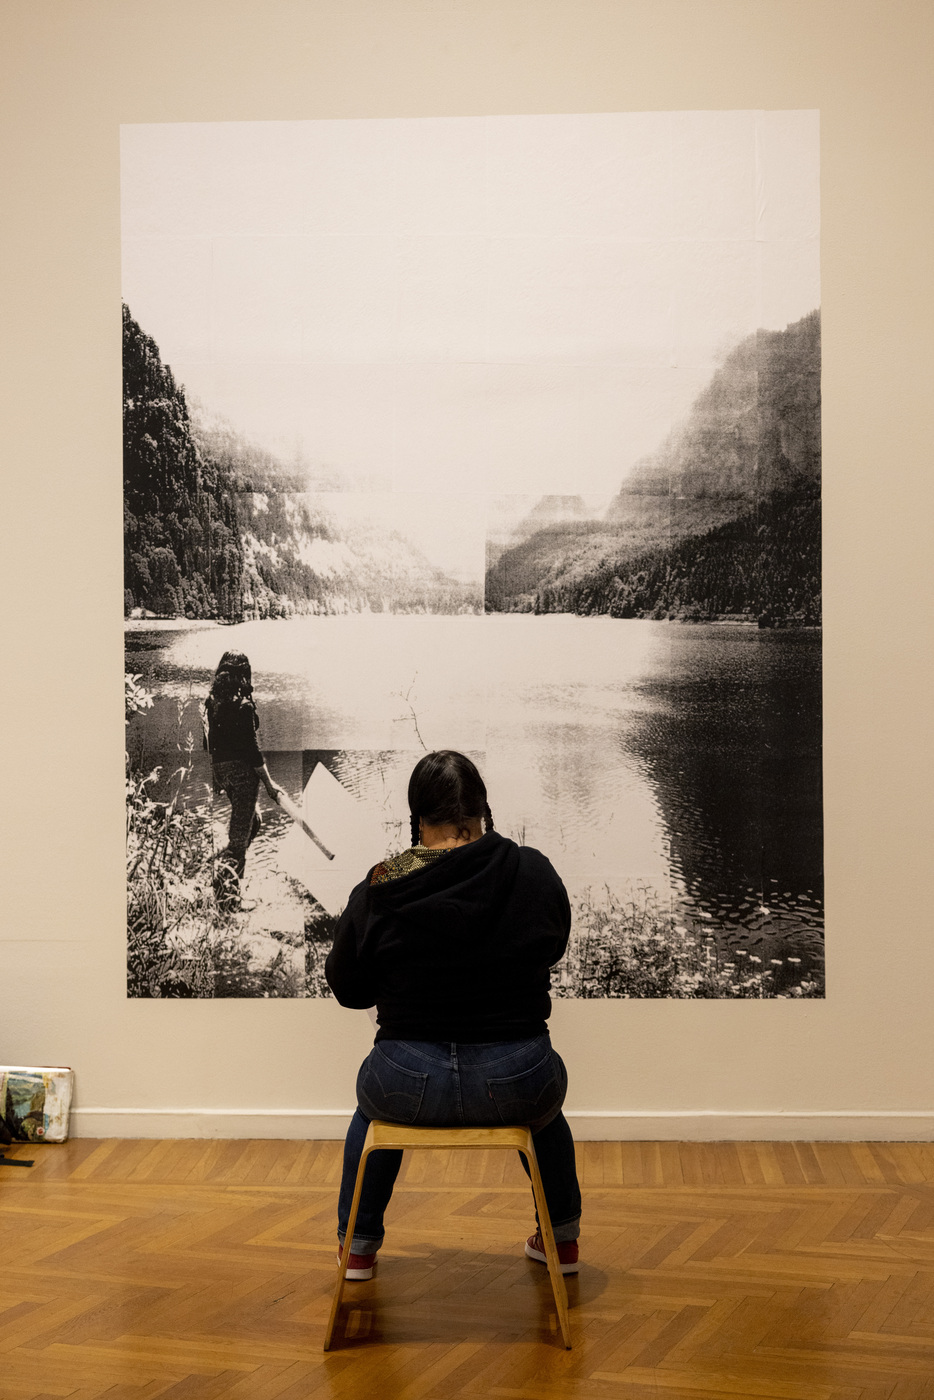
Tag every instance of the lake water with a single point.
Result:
(683, 759)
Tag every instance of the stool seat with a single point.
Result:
(383, 1136)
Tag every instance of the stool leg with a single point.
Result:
(548, 1239)
(348, 1240)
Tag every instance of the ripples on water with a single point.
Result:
(730, 739)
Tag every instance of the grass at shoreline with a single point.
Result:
(634, 949)
(180, 941)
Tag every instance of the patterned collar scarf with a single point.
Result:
(406, 863)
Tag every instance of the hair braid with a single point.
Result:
(487, 817)
(416, 834)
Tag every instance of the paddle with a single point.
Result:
(290, 809)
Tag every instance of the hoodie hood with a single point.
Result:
(468, 887)
(458, 950)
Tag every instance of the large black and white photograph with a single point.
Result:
(499, 435)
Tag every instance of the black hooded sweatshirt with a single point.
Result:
(457, 951)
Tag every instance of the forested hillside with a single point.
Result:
(763, 564)
(182, 552)
(723, 520)
(217, 527)
(272, 522)
(299, 556)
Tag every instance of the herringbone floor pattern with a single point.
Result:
(198, 1270)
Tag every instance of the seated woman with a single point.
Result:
(453, 941)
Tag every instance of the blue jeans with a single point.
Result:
(428, 1085)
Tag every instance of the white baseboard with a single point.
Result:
(727, 1126)
(308, 1124)
(596, 1126)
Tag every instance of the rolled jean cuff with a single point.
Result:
(569, 1230)
(361, 1244)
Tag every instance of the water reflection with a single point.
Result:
(683, 758)
(730, 739)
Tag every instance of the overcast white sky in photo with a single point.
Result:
(492, 306)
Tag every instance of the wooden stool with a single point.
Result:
(382, 1136)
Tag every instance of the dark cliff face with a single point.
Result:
(753, 430)
(182, 553)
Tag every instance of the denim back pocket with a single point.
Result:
(532, 1097)
(386, 1090)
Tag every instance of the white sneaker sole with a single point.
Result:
(357, 1275)
(543, 1259)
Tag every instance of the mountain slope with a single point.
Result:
(182, 552)
(763, 564)
(216, 527)
(748, 453)
(301, 556)
(754, 429)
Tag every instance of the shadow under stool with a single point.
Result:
(385, 1136)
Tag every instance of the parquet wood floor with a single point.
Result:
(200, 1270)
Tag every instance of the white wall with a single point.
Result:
(857, 1064)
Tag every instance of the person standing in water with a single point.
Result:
(231, 723)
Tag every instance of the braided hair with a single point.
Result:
(445, 787)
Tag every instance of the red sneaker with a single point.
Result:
(359, 1266)
(567, 1252)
